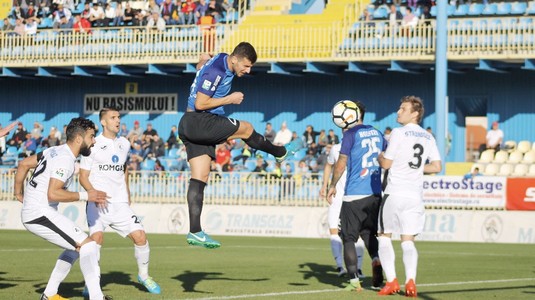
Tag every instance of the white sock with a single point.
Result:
(142, 254)
(388, 257)
(410, 260)
(91, 270)
(63, 266)
(336, 248)
(359, 245)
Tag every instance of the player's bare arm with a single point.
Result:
(126, 174)
(433, 167)
(327, 170)
(84, 179)
(4, 131)
(204, 102)
(22, 171)
(339, 169)
(56, 193)
(385, 163)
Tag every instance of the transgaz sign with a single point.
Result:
(5, 8)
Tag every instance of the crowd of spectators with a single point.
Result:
(82, 15)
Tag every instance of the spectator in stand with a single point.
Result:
(129, 14)
(44, 9)
(19, 136)
(322, 140)
(64, 135)
(200, 10)
(425, 16)
(411, 4)
(29, 146)
(283, 136)
(70, 4)
(269, 134)
(387, 133)
(472, 174)
(153, 7)
(245, 154)
(136, 130)
(207, 25)
(109, 15)
(309, 136)
(166, 11)
(158, 167)
(81, 25)
(19, 29)
(17, 13)
(124, 131)
(222, 158)
(135, 157)
(188, 12)
(37, 131)
(394, 16)
(215, 10)
(86, 13)
(8, 26)
(333, 138)
(409, 22)
(30, 13)
(182, 160)
(156, 23)
(31, 27)
(141, 18)
(367, 18)
(96, 16)
(494, 138)
(172, 140)
(150, 131)
(158, 146)
(62, 18)
(53, 139)
(260, 170)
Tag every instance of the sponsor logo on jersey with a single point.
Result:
(61, 172)
(104, 147)
(364, 172)
(110, 167)
(206, 85)
(216, 82)
(115, 159)
(233, 121)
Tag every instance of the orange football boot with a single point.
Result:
(390, 288)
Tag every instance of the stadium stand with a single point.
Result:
(520, 170)
(515, 157)
(505, 170)
(524, 146)
(492, 169)
(501, 157)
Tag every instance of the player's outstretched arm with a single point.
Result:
(22, 171)
(4, 131)
(56, 193)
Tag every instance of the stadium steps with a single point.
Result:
(295, 35)
(271, 7)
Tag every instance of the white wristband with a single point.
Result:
(83, 196)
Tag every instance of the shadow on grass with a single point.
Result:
(75, 289)
(325, 274)
(3, 283)
(466, 292)
(190, 279)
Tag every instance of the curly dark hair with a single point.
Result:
(79, 126)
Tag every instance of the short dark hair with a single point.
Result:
(105, 110)
(78, 126)
(362, 109)
(245, 50)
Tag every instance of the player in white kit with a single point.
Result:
(411, 152)
(335, 204)
(105, 169)
(54, 169)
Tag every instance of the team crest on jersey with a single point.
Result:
(206, 85)
(61, 172)
(115, 159)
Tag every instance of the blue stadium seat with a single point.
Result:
(504, 8)
(451, 9)
(433, 11)
(518, 8)
(380, 13)
(475, 9)
(462, 10)
(531, 8)
(490, 9)
(147, 164)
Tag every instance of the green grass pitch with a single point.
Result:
(266, 268)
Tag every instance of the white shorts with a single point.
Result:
(54, 227)
(334, 210)
(119, 216)
(403, 215)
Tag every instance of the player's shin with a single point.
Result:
(388, 257)
(410, 259)
(90, 269)
(63, 266)
(259, 142)
(195, 200)
(142, 254)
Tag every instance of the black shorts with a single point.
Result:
(201, 132)
(358, 216)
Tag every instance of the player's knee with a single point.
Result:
(69, 256)
(246, 129)
(138, 237)
(98, 237)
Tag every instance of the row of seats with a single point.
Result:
(506, 169)
(514, 157)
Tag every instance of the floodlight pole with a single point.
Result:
(441, 79)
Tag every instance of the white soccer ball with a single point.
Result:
(346, 114)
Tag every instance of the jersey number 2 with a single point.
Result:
(41, 166)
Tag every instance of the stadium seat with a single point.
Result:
(531, 171)
(529, 157)
(492, 169)
(451, 9)
(531, 8)
(487, 156)
(509, 146)
(518, 8)
(11, 155)
(505, 170)
(533, 147)
(520, 170)
(501, 157)
(380, 13)
(475, 9)
(515, 157)
(433, 11)
(490, 9)
(504, 9)
(461, 11)
(524, 146)
(148, 164)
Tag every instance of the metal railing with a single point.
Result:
(468, 39)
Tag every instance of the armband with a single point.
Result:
(83, 196)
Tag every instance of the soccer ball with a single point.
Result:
(346, 114)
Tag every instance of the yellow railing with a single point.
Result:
(376, 41)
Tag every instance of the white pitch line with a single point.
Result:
(339, 290)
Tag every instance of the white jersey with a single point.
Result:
(332, 158)
(107, 167)
(409, 148)
(55, 162)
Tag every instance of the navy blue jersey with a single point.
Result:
(362, 145)
(213, 79)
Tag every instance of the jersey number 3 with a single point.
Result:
(418, 151)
